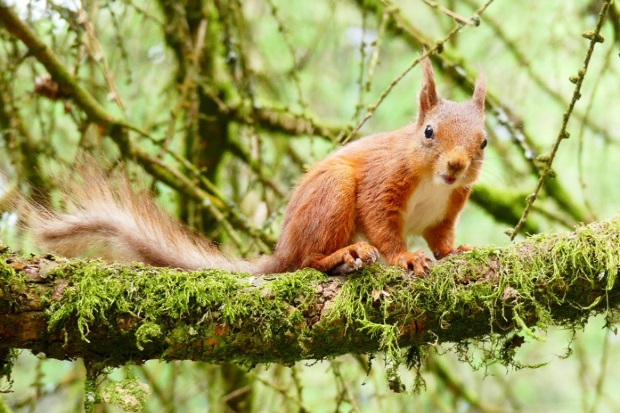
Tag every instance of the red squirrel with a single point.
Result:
(381, 188)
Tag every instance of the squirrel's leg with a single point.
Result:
(440, 237)
(440, 240)
(320, 223)
(385, 230)
(331, 253)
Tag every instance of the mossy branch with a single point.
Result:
(112, 313)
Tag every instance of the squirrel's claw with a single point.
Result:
(415, 262)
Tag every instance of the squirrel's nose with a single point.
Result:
(456, 165)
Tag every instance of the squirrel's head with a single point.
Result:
(451, 134)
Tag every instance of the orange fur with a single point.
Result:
(379, 188)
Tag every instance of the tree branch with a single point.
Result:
(112, 313)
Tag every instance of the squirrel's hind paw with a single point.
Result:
(355, 257)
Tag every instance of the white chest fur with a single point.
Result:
(426, 206)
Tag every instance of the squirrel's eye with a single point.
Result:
(484, 144)
(428, 132)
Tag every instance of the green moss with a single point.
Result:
(146, 333)
(91, 393)
(8, 275)
(199, 313)
(11, 279)
(365, 303)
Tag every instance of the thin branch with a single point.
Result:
(284, 32)
(594, 37)
(459, 19)
(96, 53)
(457, 387)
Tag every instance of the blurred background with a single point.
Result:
(219, 106)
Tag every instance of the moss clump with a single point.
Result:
(7, 360)
(10, 269)
(199, 313)
(11, 280)
(365, 303)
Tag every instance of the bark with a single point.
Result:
(113, 314)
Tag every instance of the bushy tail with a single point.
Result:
(105, 216)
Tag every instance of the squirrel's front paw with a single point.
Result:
(415, 262)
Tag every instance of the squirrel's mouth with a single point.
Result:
(448, 179)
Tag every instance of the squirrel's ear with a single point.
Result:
(480, 92)
(428, 94)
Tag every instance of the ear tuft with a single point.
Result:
(480, 92)
(428, 93)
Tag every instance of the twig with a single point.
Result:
(450, 13)
(289, 45)
(280, 120)
(457, 387)
(284, 391)
(190, 81)
(360, 79)
(96, 53)
(344, 390)
(600, 381)
(145, 13)
(374, 60)
(594, 38)
(240, 152)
